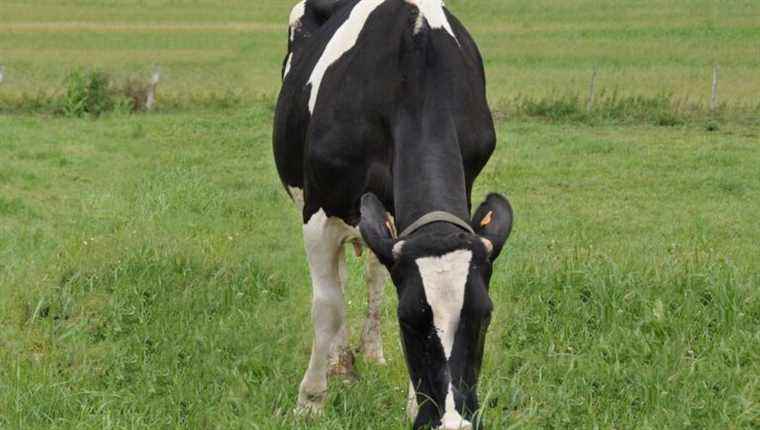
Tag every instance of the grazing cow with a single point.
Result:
(382, 124)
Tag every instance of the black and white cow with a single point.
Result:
(382, 124)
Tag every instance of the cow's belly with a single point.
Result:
(342, 163)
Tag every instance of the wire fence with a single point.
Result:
(141, 93)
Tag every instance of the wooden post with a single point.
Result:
(591, 91)
(714, 97)
(150, 99)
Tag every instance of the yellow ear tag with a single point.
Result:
(487, 219)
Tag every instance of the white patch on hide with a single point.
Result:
(298, 11)
(397, 248)
(344, 39)
(433, 12)
(287, 65)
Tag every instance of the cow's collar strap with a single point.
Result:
(432, 217)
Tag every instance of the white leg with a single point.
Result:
(323, 238)
(341, 357)
(372, 341)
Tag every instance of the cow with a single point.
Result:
(381, 128)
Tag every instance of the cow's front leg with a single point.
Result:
(323, 238)
(372, 340)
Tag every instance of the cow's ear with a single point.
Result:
(377, 229)
(492, 221)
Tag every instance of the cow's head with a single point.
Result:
(444, 308)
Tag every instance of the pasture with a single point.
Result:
(210, 49)
(152, 271)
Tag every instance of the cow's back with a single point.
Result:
(335, 141)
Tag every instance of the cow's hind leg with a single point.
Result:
(375, 275)
(323, 238)
(341, 361)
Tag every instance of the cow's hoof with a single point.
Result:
(373, 354)
(372, 348)
(375, 357)
(343, 367)
(310, 404)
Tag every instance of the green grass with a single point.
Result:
(533, 49)
(152, 276)
(151, 267)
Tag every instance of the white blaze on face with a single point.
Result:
(433, 12)
(444, 279)
(343, 40)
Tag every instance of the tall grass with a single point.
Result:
(96, 92)
(611, 107)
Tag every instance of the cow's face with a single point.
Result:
(443, 311)
(444, 308)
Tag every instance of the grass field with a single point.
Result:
(153, 277)
(152, 272)
(532, 48)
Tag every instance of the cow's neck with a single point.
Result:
(428, 169)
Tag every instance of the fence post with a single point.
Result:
(714, 97)
(592, 91)
(150, 99)
(2, 73)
